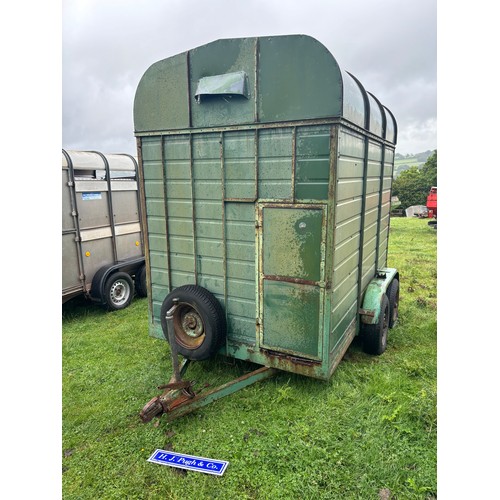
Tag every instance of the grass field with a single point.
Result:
(368, 433)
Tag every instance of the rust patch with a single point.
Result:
(298, 281)
(294, 364)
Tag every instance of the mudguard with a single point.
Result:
(378, 286)
(99, 280)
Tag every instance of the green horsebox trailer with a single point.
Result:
(266, 174)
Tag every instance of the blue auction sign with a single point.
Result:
(200, 464)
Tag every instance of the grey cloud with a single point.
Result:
(389, 45)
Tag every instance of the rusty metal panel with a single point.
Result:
(291, 278)
(292, 243)
(291, 318)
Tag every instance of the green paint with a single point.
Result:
(291, 318)
(292, 242)
(268, 192)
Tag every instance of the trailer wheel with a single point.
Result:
(375, 336)
(140, 282)
(118, 291)
(199, 322)
(393, 296)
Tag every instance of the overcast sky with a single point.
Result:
(389, 45)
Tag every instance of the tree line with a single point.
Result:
(413, 185)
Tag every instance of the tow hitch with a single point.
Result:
(179, 397)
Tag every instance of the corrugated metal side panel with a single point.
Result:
(371, 213)
(240, 192)
(240, 263)
(208, 227)
(275, 164)
(347, 215)
(155, 214)
(181, 241)
(386, 207)
(239, 150)
(312, 170)
(210, 242)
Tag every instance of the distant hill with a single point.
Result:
(404, 162)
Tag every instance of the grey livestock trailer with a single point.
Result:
(102, 242)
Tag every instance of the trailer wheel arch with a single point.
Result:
(375, 335)
(376, 289)
(101, 277)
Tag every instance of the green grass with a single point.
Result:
(369, 430)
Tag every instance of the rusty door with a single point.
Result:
(291, 278)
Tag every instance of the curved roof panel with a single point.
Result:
(354, 108)
(250, 80)
(93, 160)
(376, 117)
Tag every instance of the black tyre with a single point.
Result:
(199, 322)
(140, 282)
(393, 296)
(375, 336)
(118, 291)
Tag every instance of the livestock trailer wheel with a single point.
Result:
(199, 322)
(375, 336)
(118, 291)
(393, 296)
(140, 282)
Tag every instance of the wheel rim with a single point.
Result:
(119, 292)
(188, 326)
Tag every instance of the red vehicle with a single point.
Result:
(432, 206)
